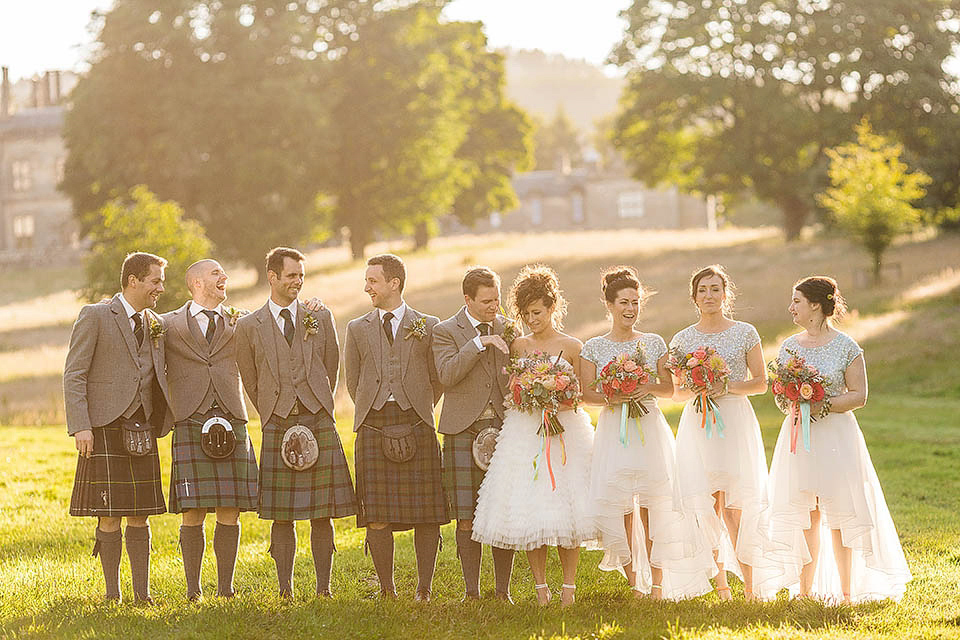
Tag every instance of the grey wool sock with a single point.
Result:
(192, 543)
(138, 549)
(322, 545)
(283, 548)
(426, 542)
(470, 553)
(380, 543)
(226, 540)
(109, 546)
(502, 569)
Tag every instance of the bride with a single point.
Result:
(516, 507)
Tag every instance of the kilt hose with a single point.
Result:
(325, 490)
(111, 483)
(198, 481)
(461, 475)
(402, 494)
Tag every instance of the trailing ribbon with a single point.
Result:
(545, 449)
(799, 422)
(708, 407)
(624, 418)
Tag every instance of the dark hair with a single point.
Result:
(613, 280)
(392, 267)
(729, 289)
(276, 255)
(823, 290)
(138, 264)
(479, 277)
(538, 282)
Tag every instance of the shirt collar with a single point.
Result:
(196, 309)
(472, 320)
(398, 313)
(127, 306)
(275, 309)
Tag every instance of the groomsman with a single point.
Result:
(470, 355)
(214, 465)
(115, 391)
(391, 376)
(288, 358)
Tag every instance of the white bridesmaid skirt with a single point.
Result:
(735, 464)
(838, 471)
(642, 474)
(517, 508)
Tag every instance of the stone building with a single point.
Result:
(36, 220)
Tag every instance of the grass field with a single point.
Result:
(50, 586)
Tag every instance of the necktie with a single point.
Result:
(287, 326)
(211, 325)
(388, 326)
(483, 328)
(138, 328)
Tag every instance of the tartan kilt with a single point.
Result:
(403, 494)
(325, 490)
(112, 483)
(198, 481)
(461, 475)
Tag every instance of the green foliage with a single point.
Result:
(872, 192)
(557, 144)
(143, 223)
(731, 95)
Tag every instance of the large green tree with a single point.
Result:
(727, 95)
(557, 143)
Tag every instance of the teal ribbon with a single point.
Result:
(624, 420)
(805, 424)
(713, 415)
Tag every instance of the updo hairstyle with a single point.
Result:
(538, 282)
(613, 280)
(823, 290)
(729, 289)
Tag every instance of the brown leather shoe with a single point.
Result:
(324, 594)
(388, 595)
(505, 597)
(422, 596)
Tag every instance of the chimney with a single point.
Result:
(5, 94)
(45, 89)
(56, 87)
(34, 92)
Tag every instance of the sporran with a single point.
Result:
(299, 448)
(217, 438)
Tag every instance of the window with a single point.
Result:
(576, 206)
(23, 229)
(536, 211)
(22, 175)
(630, 204)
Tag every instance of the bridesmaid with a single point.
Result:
(833, 487)
(723, 478)
(633, 480)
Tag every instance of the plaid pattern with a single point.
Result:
(402, 494)
(198, 481)
(112, 483)
(461, 475)
(325, 490)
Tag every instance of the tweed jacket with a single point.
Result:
(259, 362)
(192, 365)
(101, 375)
(469, 376)
(365, 366)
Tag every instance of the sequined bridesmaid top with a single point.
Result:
(732, 344)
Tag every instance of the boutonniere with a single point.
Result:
(510, 330)
(234, 314)
(418, 329)
(156, 329)
(311, 324)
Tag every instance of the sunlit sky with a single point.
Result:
(39, 35)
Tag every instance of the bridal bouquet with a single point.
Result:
(540, 385)
(697, 370)
(623, 375)
(796, 385)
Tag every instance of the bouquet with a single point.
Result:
(697, 370)
(796, 385)
(622, 375)
(539, 385)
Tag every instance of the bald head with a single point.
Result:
(207, 283)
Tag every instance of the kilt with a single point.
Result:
(461, 476)
(403, 494)
(198, 481)
(325, 490)
(112, 483)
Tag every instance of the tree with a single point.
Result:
(557, 144)
(727, 95)
(872, 192)
(140, 222)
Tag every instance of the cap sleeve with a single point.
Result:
(590, 351)
(851, 350)
(751, 337)
(657, 348)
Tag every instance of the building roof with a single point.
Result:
(549, 183)
(42, 118)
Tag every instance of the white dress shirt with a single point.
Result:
(203, 319)
(398, 314)
(275, 309)
(131, 312)
(476, 323)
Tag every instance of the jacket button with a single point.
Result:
(276, 393)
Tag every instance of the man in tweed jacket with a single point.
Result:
(471, 354)
(114, 372)
(391, 376)
(204, 382)
(289, 357)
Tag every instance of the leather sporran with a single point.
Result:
(217, 438)
(484, 444)
(398, 442)
(137, 437)
(299, 448)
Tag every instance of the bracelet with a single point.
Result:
(825, 408)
